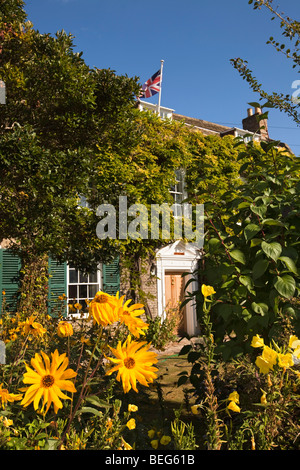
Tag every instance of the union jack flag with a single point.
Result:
(151, 86)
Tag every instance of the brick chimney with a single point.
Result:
(251, 124)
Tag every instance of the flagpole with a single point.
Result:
(159, 96)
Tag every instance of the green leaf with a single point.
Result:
(272, 250)
(272, 222)
(213, 245)
(259, 210)
(52, 444)
(247, 282)
(255, 242)
(238, 255)
(285, 286)
(289, 263)
(89, 409)
(260, 308)
(260, 268)
(251, 230)
(94, 400)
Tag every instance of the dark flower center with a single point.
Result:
(101, 299)
(129, 363)
(47, 381)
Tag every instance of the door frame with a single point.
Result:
(181, 257)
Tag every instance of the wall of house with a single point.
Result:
(148, 286)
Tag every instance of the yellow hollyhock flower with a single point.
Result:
(194, 409)
(257, 342)
(64, 329)
(294, 342)
(263, 365)
(151, 433)
(267, 360)
(233, 407)
(126, 445)
(297, 353)
(134, 363)
(285, 360)
(263, 398)
(165, 440)
(269, 355)
(132, 408)
(154, 444)
(103, 309)
(47, 380)
(234, 396)
(131, 424)
(207, 290)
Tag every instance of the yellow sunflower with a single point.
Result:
(31, 327)
(134, 363)
(5, 396)
(129, 315)
(103, 309)
(64, 329)
(47, 380)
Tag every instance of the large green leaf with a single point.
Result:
(260, 268)
(251, 230)
(289, 263)
(259, 210)
(247, 282)
(260, 308)
(238, 255)
(272, 250)
(285, 286)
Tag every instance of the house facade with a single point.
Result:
(164, 279)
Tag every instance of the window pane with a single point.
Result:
(72, 292)
(83, 279)
(93, 291)
(83, 292)
(93, 277)
(73, 276)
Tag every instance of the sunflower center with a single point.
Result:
(129, 363)
(101, 299)
(47, 381)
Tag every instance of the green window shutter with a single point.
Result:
(111, 277)
(10, 266)
(57, 286)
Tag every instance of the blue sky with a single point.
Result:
(195, 38)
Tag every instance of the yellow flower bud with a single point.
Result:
(154, 444)
(207, 290)
(131, 424)
(165, 440)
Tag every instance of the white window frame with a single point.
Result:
(70, 300)
(179, 190)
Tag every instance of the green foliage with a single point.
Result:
(183, 434)
(291, 31)
(251, 249)
(160, 332)
(213, 167)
